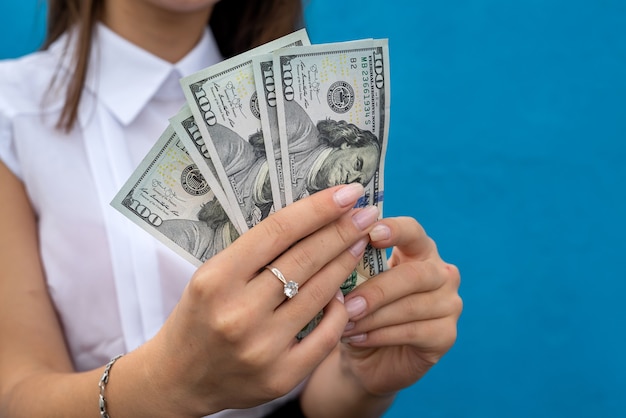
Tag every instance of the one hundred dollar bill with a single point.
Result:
(333, 121)
(168, 197)
(224, 102)
(263, 67)
(189, 134)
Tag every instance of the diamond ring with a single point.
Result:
(290, 288)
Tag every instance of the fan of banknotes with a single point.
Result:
(260, 131)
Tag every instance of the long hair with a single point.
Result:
(237, 25)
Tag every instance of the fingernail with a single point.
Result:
(366, 217)
(355, 306)
(380, 232)
(339, 296)
(358, 247)
(359, 338)
(349, 326)
(347, 195)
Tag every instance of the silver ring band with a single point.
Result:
(290, 288)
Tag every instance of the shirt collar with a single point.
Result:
(125, 77)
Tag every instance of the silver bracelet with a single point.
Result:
(102, 385)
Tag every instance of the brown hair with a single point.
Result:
(237, 25)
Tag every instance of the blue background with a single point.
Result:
(507, 143)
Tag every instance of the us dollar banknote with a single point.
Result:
(168, 197)
(224, 102)
(333, 121)
(185, 126)
(263, 67)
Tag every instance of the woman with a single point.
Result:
(78, 285)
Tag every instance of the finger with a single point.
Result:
(323, 339)
(317, 293)
(406, 234)
(394, 284)
(271, 237)
(414, 307)
(434, 336)
(312, 253)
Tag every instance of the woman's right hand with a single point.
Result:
(230, 342)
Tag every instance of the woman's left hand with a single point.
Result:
(405, 319)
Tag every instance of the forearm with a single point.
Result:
(333, 392)
(49, 394)
(76, 395)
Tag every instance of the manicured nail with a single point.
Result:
(366, 217)
(358, 247)
(339, 296)
(347, 195)
(349, 326)
(356, 306)
(380, 232)
(359, 338)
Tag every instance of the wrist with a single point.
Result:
(104, 380)
(137, 389)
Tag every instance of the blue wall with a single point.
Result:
(22, 26)
(507, 143)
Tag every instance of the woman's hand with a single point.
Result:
(230, 342)
(405, 319)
